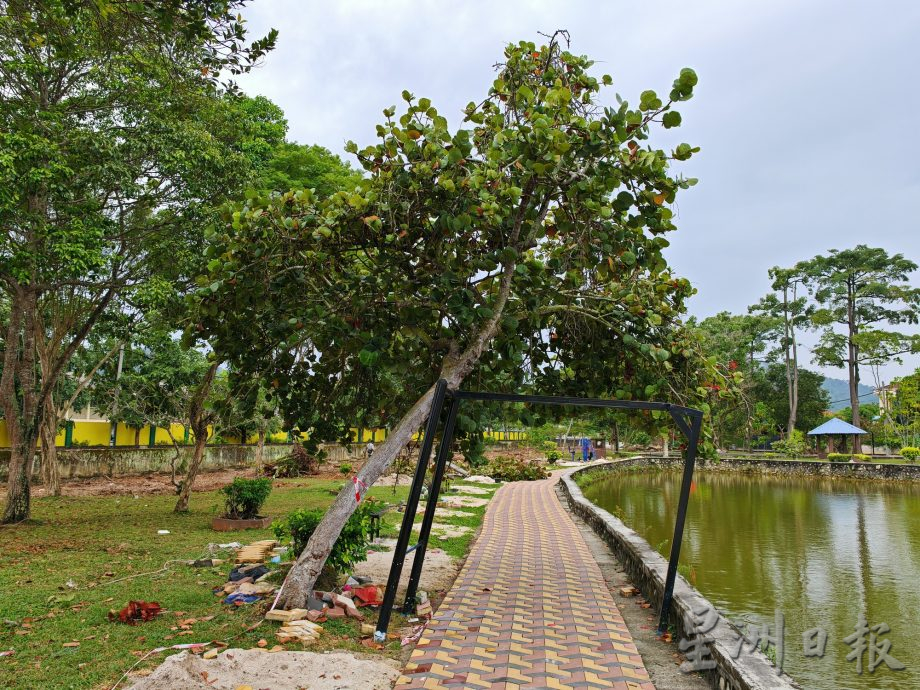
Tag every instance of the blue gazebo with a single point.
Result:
(835, 427)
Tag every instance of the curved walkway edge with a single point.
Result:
(529, 609)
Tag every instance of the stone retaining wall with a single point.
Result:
(86, 463)
(796, 468)
(647, 569)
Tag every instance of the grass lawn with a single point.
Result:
(93, 542)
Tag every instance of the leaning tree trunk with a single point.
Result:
(300, 580)
(51, 477)
(199, 420)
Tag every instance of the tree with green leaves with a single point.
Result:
(813, 401)
(115, 143)
(861, 291)
(791, 312)
(739, 346)
(456, 257)
(298, 166)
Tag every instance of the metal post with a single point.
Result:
(402, 542)
(692, 432)
(441, 460)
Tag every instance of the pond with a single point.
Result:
(820, 551)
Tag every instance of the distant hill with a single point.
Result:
(839, 390)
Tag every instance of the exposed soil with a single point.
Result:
(438, 575)
(517, 452)
(149, 484)
(255, 668)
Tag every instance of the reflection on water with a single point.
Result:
(819, 550)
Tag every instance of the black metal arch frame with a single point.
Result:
(688, 420)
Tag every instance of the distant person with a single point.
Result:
(591, 455)
(585, 448)
(369, 449)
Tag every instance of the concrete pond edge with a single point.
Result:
(647, 570)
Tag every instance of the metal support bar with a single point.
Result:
(692, 430)
(441, 460)
(405, 531)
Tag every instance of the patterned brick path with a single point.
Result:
(529, 609)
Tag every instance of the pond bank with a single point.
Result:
(647, 570)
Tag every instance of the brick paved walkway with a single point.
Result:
(529, 609)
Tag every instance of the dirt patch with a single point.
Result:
(449, 531)
(278, 671)
(520, 453)
(473, 490)
(394, 480)
(479, 479)
(446, 513)
(147, 484)
(153, 484)
(464, 501)
(438, 575)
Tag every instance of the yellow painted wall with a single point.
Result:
(96, 433)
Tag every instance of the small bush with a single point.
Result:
(910, 453)
(506, 469)
(244, 497)
(351, 546)
(553, 456)
(862, 457)
(345, 468)
(792, 446)
(838, 457)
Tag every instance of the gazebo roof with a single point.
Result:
(836, 426)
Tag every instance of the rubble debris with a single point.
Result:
(286, 616)
(257, 552)
(368, 595)
(206, 562)
(136, 611)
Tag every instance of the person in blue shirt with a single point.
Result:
(585, 447)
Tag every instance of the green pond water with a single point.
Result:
(820, 551)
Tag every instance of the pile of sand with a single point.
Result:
(279, 671)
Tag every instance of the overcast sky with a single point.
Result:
(807, 113)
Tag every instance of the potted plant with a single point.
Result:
(243, 498)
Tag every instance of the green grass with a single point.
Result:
(459, 546)
(95, 541)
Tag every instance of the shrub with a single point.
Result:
(553, 456)
(345, 468)
(506, 469)
(838, 457)
(862, 457)
(299, 462)
(351, 546)
(244, 497)
(910, 453)
(792, 446)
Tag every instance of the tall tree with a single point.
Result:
(115, 142)
(863, 289)
(791, 312)
(813, 400)
(454, 257)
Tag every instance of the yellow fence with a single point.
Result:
(97, 433)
